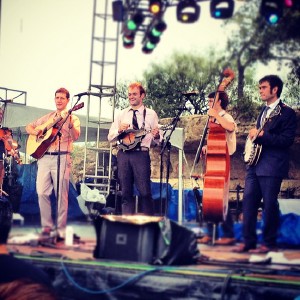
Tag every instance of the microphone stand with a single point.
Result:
(167, 145)
(58, 168)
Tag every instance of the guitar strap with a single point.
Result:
(144, 116)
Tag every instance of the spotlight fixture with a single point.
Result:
(152, 36)
(118, 10)
(128, 40)
(188, 11)
(130, 28)
(155, 6)
(271, 10)
(135, 21)
(221, 9)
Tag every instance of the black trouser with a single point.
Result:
(135, 167)
(257, 188)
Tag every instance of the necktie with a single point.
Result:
(264, 115)
(134, 120)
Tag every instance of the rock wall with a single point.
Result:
(193, 128)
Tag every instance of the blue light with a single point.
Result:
(273, 19)
(217, 14)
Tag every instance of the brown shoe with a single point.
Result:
(225, 241)
(205, 240)
(242, 248)
(262, 250)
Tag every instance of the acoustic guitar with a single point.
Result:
(37, 145)
(130, 138)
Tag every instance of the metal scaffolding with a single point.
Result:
(97, 167)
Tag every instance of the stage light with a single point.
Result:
(152, 36)
(118, 11)
(271, 10)
(130, 28)
(221, 9)
(188, 11)
(128, 40)
(155, 6)
(157, 29)
(135, 21)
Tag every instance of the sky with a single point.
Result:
(46, 44)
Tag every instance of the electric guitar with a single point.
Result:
(130, 138)
(37, 145)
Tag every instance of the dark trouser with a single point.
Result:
(257, 188)
(135, 167)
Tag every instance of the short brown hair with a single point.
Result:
(139, 86)
(63, 91)
(223, 97)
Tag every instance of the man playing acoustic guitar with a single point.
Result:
(48, 158)
(135, 129)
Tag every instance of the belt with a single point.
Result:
(141, 149)
(57, 153)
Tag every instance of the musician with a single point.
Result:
(47, 164)
(134, 164)
(264, 179)
(217, 110)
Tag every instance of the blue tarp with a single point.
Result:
(29, 200)
(289, 233)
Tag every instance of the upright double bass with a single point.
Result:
(217, 166)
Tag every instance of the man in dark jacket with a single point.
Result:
(273, 136)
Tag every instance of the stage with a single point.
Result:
(218, 273)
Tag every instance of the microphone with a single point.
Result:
(87, 93)
(6, 101)
(191, 93)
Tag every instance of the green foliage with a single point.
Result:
(182, 72)
(291, 91)
(257, 41)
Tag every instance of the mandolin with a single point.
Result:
(130, 138)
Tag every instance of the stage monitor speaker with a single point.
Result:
(162, 242)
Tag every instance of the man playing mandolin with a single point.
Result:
(135, 129)
(48, 158)
(274, 134)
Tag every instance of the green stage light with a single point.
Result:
(135, 21)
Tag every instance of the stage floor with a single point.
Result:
(75, 272)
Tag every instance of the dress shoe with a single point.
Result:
(224, 241)
(204, 240)
(263, 249)
(242, 248)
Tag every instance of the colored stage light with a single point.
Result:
(271, 10)
(188, 11)
(135, 21)
(221, 9)
(152, 36)
(155, 6)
